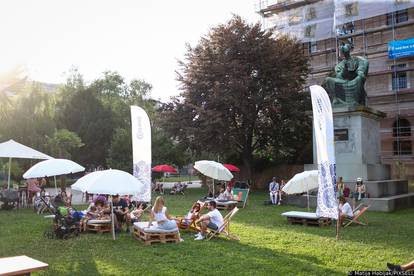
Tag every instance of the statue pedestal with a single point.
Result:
(357, 154)
(358, 144)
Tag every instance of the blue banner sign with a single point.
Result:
(401, 48)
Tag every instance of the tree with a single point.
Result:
(84, 114)
(63, 143)
(241, 92)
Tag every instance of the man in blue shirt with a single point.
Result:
(273, 191)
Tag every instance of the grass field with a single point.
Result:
(268, 245)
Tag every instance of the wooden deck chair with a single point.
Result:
(225, 228)
(359, 217)
(241, 195)
(182, 221)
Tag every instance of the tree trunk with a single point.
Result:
(248, 163)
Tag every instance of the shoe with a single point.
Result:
(393, 267)
(198, 234)
(199, 238)
(181, 239)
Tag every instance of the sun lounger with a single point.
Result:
(306, 218)
(153, 234)
(241, 195)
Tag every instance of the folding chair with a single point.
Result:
(182, 222)
(359, 217)
(225, 227)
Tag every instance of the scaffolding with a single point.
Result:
(322, 25)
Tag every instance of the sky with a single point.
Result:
(139, 39)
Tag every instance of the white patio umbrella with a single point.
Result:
(214, 170)
(12, 149)
(301, 183)
(53, 167)
(110, 182)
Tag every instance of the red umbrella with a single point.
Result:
(164, 168)
(231, 168)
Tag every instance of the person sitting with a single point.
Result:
(137, 213)
(228, 193)
(345, 210)
(340, 186)
(404, 267)
(121, 212)
(191, 216)
(221, 196)
(274, 190)
(359, 191)
(159, 187)
(212, 220)
(160, 215)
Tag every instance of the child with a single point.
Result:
(137, 213)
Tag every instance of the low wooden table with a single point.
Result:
(306, 218)
(20, 265)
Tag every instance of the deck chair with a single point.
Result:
(241, 195)
(182, 222)
(358, 216)
(225, 228)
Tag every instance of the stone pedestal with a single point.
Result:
(357, 144)
(358, 154)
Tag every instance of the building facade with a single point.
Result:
(322, 25)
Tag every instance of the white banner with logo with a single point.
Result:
(141, 150)
(324, 137)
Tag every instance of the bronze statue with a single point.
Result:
(347, 87)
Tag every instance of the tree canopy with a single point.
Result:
(241, 93)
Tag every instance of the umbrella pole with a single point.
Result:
(307, 193)
(214, 184)
(338, 225)
(112, 218)
(8, 179)
(54, 177)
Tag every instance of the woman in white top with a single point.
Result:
(160, 215)
(345, 210)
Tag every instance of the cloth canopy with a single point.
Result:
(11, 149)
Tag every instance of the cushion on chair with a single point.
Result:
(99, 221)
(143, 225)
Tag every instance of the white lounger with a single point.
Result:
(306, 218)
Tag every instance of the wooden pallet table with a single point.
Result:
(152, 235)
(306, 218)
(99, 226)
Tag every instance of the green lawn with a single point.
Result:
(268, 245)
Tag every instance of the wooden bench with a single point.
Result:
(306, 218)
(20, 265)
(151, 235)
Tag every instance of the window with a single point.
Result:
(310, 30)
(403, 148)
(397, 17)
(399, 79)
(310, 13)
(351, 9)
(401, 129)
(312, 48)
